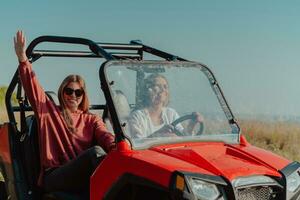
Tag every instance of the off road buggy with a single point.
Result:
(215, 162)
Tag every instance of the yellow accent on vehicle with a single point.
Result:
(180, 183)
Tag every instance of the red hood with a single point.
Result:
(221, 159)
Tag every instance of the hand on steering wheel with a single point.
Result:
(166, 131)
(195, 118)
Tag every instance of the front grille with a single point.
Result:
(257, 193)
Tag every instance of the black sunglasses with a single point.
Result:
(70, 91)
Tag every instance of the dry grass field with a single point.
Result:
(282, 138)
(3, 116)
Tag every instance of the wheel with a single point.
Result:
(192, 116)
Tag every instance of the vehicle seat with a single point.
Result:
(121, 104)
(31, 160)
(122, 107)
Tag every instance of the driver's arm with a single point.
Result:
(179, 125)
(192, 123)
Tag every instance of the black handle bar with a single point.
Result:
(96, 49)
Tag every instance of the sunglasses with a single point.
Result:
(70, 91)
(159, 87)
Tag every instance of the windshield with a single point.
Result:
(167, 102)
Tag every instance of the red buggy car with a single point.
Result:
(212, 162)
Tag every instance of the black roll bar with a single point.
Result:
(96, 49)
(82, 54)
(157, 52)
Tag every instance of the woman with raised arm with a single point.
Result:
(67, 133)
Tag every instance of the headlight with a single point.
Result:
(253, 180)
(203, 190)
(187, 185)
(293, 181)
(292, 176)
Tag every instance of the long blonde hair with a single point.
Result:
(83, 106)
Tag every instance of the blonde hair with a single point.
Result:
(83, 106)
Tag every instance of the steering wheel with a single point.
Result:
(191, 116)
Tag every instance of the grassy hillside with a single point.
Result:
(2, 107)
(282, 138)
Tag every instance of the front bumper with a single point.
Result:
(272, 188)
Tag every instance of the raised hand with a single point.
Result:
(20, 46)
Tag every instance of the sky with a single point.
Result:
(251, 46)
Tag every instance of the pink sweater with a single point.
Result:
(57, 145)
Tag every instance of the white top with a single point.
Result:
(141, 125)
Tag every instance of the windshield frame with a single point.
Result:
(107, 90)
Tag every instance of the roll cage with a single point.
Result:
(134, 50)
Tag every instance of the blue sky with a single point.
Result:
(252, 46)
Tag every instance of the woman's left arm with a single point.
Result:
(103, 137)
